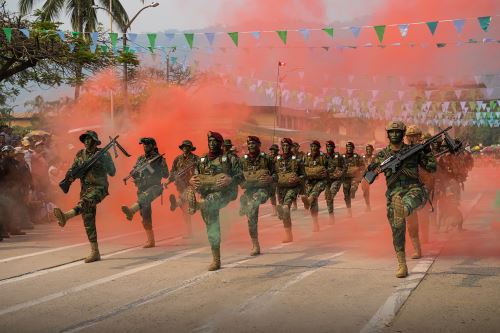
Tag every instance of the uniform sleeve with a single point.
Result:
(110, 165)
(428, 162)
(236, 169)
(164, 168)
(302, 168)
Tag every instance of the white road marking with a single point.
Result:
(32, 254)
(74, 264)
(95, 283)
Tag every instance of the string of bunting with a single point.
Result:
(484, 23)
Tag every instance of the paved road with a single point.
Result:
(338, 280)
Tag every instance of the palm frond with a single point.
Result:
(25, 6)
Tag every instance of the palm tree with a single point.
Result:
(83, 16)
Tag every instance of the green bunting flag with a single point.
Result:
(152, 41)
(234, 37)
(114, 38)
(432, 26)
(282, 34)
(189, 39)
(329, 31)
(380, 30)
(104, 48)
(75, 34)
(8, 34)
(484, 22)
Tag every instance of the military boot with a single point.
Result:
(62, 218)
(402, 268)
(400, 211)
(418, 249)
(288, 236)
(173, 202)
(215, 265)
(256, 247)
(151, 239)
(130, 211)
(94, 254)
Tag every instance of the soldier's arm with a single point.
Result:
(428, 162)
(164, 168)
(236, 169)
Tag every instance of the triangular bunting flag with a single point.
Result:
(329, 31)
(459, 25)
(234, 37)
(104, 48)
(152, 41)
(170, 36)
(61, 35)
(256, 34)
(403, 29)
(432, 26)
(71, 47)
(8, 34)
(484, 22)
(132, 37)
(25, 32)
(114, 38)
(93, 47)
(305, 33)
(282, 34)
(93, 37)
(355, 31)
(210, 37)
(189, 38)
(380, 30)
(75, 34)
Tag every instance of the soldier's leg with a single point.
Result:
(313, 199)
(210, 214)
(272, 194)
(286, 197)
(398, 228)
(412, 223)
(308, 187)
(366, 194)
(346, 187)
(89, 198)
(258, 197)
(147, 222)
(354, 188)
(329, 198)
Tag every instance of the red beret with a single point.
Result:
(216, 136)
(287, 140)
(316, 142)
(330, 142)
(253, 138)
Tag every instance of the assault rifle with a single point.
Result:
(141, 167)
(81, 170)
(179, 174)
(395, 160)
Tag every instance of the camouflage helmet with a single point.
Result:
(92, 135)
(396, 125)
(426, 136)
(413, 130)
(147, 141)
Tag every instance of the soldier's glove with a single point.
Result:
(266, 179)
(223, 181)
(195, 182)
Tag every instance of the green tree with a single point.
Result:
(83, 17)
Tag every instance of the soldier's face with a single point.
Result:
(314, 149)
(148, 148)
(213, 145)
(89, 143)
(413, 139)
(253, 147)
(329, 149)
(349, 149)
(285, 147)
(186, 150)
(395, 136)
(369, 151)
(295, 149)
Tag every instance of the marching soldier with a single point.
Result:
(405, 193)
(258, 169)
(336, 172)
(350, 183)
(228, 147)
(368, 159)
(274, 151)
(149, 187)
(214, 180)
(316, 166)
(300, 155)
(289, 172)
(182, 170)
(94, 188)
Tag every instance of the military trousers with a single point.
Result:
(252, 199)
(286, 196)
(313, 189)
(145, 197)
(210, 212)
(90, 197)
(331, 190)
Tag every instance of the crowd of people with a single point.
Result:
(27, 177)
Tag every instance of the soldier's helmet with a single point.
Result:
(228, 143)
(92, 135)
(350, 144)
(187, 143)
(7, 148)
(413, 130)
(396, 125)
(426, 136)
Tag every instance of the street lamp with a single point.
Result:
(124, 41)
(280, 64)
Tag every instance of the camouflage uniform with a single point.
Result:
(148, 184)
(352, 178)
(336, 172)
(367, 160)
(256, 193)
(314, 184)
(274, 152)
(405, 192)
